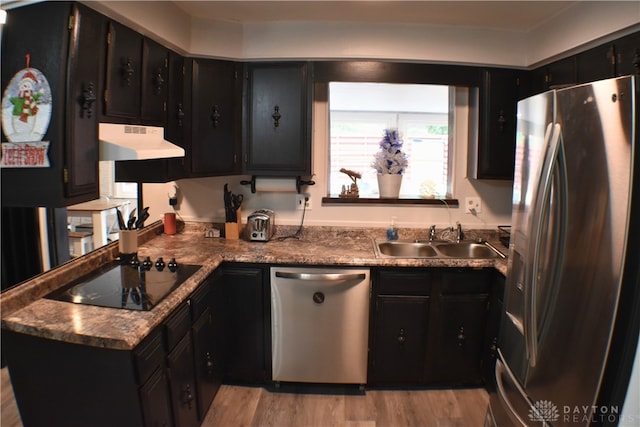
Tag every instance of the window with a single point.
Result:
(359, 113)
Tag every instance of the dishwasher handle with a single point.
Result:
(327, 277)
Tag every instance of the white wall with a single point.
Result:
(574, 28)
(202, 199)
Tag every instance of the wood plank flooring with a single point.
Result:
(308, 406)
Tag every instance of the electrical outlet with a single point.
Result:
(300, 201)
(473, 205)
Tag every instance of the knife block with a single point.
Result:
(232, 229)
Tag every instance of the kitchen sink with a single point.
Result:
(467, 250)
(435, 249)
(407, 249)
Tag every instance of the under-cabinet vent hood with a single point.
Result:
(129, 142)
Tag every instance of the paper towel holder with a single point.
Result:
(299, 183)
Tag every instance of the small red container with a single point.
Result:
(170, 223)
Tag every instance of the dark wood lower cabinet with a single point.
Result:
(182, 383)
(156, 402)
(461, 336)
(431, 326)
(400, 339)
(207, 362)
(169, 379)
(246, 311)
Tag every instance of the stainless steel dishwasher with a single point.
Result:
(320, 324)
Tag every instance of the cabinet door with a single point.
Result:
(216, 97)
(628, 55)
(178, 114)
(156, 402)
(496, 145)
(399, 353)
(461, 337)
(278, 119)
(155, 81)
(559, 73)
(182, 383)
(124, 69)
(208, 366)
(245, 314)
(596, 64)
(81, 145)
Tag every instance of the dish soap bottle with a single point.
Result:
(392, 231)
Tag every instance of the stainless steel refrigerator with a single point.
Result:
(569, 328)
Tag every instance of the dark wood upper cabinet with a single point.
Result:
(136, 78)
(216, 94)
(494, 155)
(155, 82)
(277, 114)
(556, 74)
(627, 51)
(66, 48)
(596, 64)
(124, 72)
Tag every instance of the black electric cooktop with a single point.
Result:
(125, 286)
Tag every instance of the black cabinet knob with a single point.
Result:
(461, 337)
(160, 264)
(401, 338)
(87, 99)
(276, 116)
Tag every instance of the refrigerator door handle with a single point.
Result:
(502, 370)
(530, 309)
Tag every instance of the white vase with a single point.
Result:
(389, 185)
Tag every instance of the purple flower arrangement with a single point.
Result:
(390, 159)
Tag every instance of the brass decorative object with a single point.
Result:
(352, 191)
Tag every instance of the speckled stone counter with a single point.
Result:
(25, 310)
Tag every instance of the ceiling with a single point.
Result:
(500, 15)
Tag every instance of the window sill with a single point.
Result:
(377, 201)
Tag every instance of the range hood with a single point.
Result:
(130, 142)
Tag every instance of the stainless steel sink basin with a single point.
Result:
(466, 250)
(406, 249)
(435, 249)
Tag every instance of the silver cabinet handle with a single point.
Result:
(321, 276)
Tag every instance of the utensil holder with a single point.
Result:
(232, 230)
(128, 242)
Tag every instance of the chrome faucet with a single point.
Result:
(459, 233)
(432, 233)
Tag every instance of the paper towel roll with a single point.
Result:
(284, 185)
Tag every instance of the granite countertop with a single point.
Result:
(25, 310)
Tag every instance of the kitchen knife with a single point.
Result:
(227, 204)
(144, 215)
(121, 223)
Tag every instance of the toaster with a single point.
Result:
(261, 225)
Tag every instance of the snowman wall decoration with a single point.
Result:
(26, 113)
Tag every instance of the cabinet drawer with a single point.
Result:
(466, 281)
(399, 282)
(200, 300)
(177, 325)
(149, 355)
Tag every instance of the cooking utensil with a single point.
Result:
(144, 215)
(132, 219)
(121, 224)
(228, 210)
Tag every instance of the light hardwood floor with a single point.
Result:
(307, 406)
